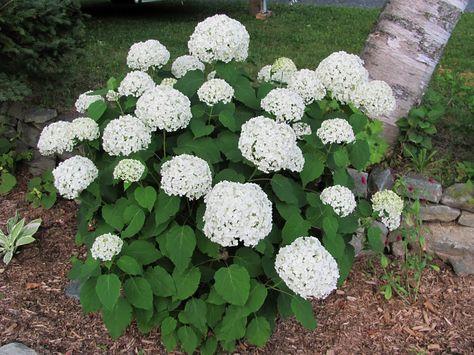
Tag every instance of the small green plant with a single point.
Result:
(18, 234)
(41, 191)
(423, 160)
(464, 171)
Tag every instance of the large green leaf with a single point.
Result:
(145, 196)
(7, 182)
(135, 218)
(129, 265)
(250, 260)
(204, 147)
(303, 311)
(89, 300)
(359, 153)
(190, 82)
(257, 296)
(313, 167)
(374, 239)
(180, 244)
(287, 190)
(138, 292)
(188, 338)
(233, 284)
(165, 207)
(113, 216)
(200, 128)
(96, 110)
(228, 145)
(108, 290)
(245, 93)
(258, 331)
(295, 227)
(161, 282)
(117, 319)
(142, 251)
(194, 313)
(186, 283)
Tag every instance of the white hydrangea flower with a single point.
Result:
(219, 38)
(185, 63)
(85, 129)
(106, 246)
(265, 74)
(340, 198)
(336, 130)
(112, 95)
(237, 212)
(375, 98)
(129, 170)
(282, 70)
(341, 73)
(214, 91)
(271, 146)
(301, 129)
(211, 75)
(307, 268)
(57, 137)
(135, 84)
(74, 175)
(285, 104)
(186, 175)
(306, 83)
(168, 82)
(85, 100)
(389, 207)
(164, 108)
(148, 54)
(125, 135)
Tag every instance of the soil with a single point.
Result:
(355, 319)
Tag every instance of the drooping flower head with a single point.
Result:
(129, 170)
(340, 198)
(185, 63)
(85, 100)
(135, 84)
(389, 207)
(74, 175)
(106, 246)
(306, 83)
(148, 54)
(282, 70)
(214, 91)
(284, 104)
(57, 137)
(85, 129)
(336, 130)
(125, 135)
(375, 98)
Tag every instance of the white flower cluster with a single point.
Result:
(125, 135)
(135, 84)
(374, 98)
(112, 95)
(285, 104)
(106, 246)
(219, 38)
(389, 207)
(265, 74)
(85, 129)
(168, 82)
(129, 170)
(148, 54)
(74, 175)
(186, 175)
(271, 146)
(214, 91)
(185, 63)
(58, 137)
(282, 70)
(307, 268)
(340, 198)
(237, 212)
(306, 83)
(301, 129)
(336, 130)
(164, 108)
(341, 73)
(85, 100)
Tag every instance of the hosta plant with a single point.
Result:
(210, 203)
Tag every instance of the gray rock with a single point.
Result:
(29, 134)
(423, 188)
(397, 249)
(39, 164)
(452, 243)
(358, 240)
(360, 182)
(380, 179)
(73, 290)
(16, 349)
(17, 110)
(7, 120)
(39, 115)
(439, 213)
(459, 196)
(466, 219)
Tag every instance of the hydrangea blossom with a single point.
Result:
(211, 75)
(306, 83)
(282, 70)
(374, 98)
(271, 146)
(214, 91)
(168, 82)
(164, 108)
(125, 135)
(85, 100)
(112, 95)
(106, 246)
(307, 268)
(135, 84)
(265, 74)
(58, 137)
(340, 198)
(285, 104)
(185, 63)
(129, 170)
(219, 38)
(389, 207)
(237, 212)
(186, 175)
(336, 130)
(341, 73)
(148, 54)
(301, 129)
(85, 129)
(74, 175)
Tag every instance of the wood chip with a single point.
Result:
(32, 285)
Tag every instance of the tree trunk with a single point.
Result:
(405, 47)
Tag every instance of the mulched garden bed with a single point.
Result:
(355, 319)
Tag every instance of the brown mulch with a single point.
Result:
(356, 319)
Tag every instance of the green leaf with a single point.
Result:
(287, 190)
(129, 265)
(142, 251)
(227, 119)
(138, 292)
(229, 175)
(284, 305)
(209, 347)
(374, 239)
(232, 326)
(341, 159)
(166, 207)
(364, 208)
(206, 246)
(186, 283)
(96, 109)
(195, 314)
(258, 331)
(188, 338)
(245, 93)
(145, 196)
(358, 122)
(200, 128)
(303, 311)
(249, 259)
(190, 82)
(136, 222)
(180, 245)
(161, 282)
(215, 298)
(169, 341)
(313, 167)
(89, 300)
(286, 211)
(203, 147)
(330, 226)
(359, 153)
(198, 110)
(257, 296)
(113, 216)
(227, 142)
(108, 290)
(7, 182)
(295, 227)
(168, 325)
(117, 319)
(233, 284)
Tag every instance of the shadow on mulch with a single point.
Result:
(355, 319)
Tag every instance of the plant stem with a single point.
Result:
(253, 174)
(164, 144)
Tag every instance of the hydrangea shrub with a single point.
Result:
(213, 204)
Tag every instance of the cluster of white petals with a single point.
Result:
(341, 73)
(112, 95)
(219, 38)
(148, 54)
(168, 82)
(336, 130)
(135, 84)
(282, 70)
(375, 98)
(57, 137)
(307, 268)
(306, 83)
(125, 135)
(164, 108)
(186, 175)
(285, 104)
(129, 170)
(265, 74)
(389, 207)
(301, 129)
(270, 145)
(85, 129)
(340, 198)
(106, 246)
(185, 63)
(211, 75)
(214, 91)
(85, 100)
(74, 175)
(237, 212)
